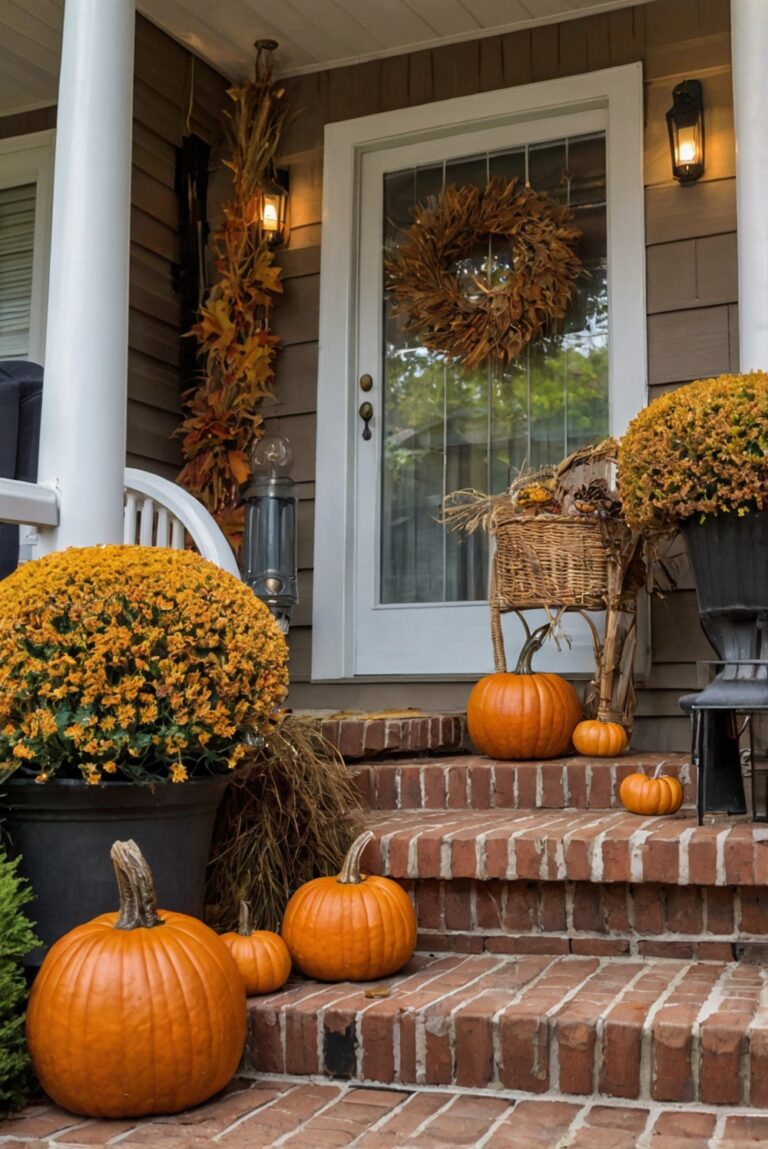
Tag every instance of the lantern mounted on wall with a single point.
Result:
(269, 541)
(685, 122)
(274, 210)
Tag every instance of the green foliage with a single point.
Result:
(699, 450)
(16, 940)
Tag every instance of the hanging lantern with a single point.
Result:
(685, 121)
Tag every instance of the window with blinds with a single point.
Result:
(17, 235)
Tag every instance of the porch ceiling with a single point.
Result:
(313, 34)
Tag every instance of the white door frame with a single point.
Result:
(619, 90)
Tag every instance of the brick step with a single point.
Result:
(641, 1029)
(647, 919)
(362, 734)
(471, 782)
(566, 845)
(297, 1114)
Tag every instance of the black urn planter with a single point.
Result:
(729, 557)
(64, 829)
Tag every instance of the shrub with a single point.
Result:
(16, 940)
(140, 661)
(699, 450)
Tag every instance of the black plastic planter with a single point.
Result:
(64, 830)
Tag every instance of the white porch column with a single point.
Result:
(749, 33)
(82, 440)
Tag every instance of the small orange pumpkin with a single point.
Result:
(261, 956)
(643, 795)
(136, 1012)
(354, 927)
(523, 715)
(598, 739)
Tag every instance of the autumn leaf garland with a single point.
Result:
(237, 351)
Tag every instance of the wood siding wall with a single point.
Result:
(165, 75)
(691, 272)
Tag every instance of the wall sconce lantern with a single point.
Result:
(685, 121)
(274, 210)
(269, 540)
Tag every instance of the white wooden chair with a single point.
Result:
(157, 513)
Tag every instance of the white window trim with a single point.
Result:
(620, 90)
(25, 160)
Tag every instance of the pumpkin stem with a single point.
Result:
(244, 922)
(534, 642)
(138, 901)
(657, 771)
(350, 871)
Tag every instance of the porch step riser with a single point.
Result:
(651, 920)
(662, 1031)
(469, 782)
(560, 845)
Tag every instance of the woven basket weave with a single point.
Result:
(555, 562)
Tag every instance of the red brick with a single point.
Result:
(552, 909)
(429, 904)
(530, 944)
(587, 911)
(754, 910)
(601, 789)
(577, 785)
(479, 786)
(352, 739)
(614, 900)
(722, 1043)
(684, 1124)
(683, 909)
(600, 947)
(457, 787)
(410, 788)
(458, 895)
(719, 903)
(648, 909)
(665, 949)
(488, 903)
(526, 774)
(434, 787)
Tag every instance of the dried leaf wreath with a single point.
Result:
(505, 311)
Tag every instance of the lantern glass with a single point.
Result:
(269, 542)
(274, 211)
(685, 122)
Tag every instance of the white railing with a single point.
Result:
(156, 513)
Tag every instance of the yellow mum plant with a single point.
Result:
(700, 450)
(140, 662)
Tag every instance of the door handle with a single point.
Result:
(366, 414)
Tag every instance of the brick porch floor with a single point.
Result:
(320, 1115)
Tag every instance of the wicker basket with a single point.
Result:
(552, 561)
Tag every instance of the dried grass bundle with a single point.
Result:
(290, 817)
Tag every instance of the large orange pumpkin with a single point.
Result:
(643, 795)
(523, 715)
(354, 927)
(597, 739)
(136, 1012)
(261, 956)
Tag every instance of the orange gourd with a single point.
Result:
(523, 715)
(136, 1012)
(261, 956)
(597, 739)
(354, 927)
(643, 795)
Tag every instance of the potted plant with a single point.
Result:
(131, 681)
(696, 460)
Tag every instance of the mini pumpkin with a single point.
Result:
(354, 927)
(261, 955)
(136, 1012)
(597, 739)
(524, 714)
(643, 795)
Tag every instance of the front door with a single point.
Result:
(415, 593)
